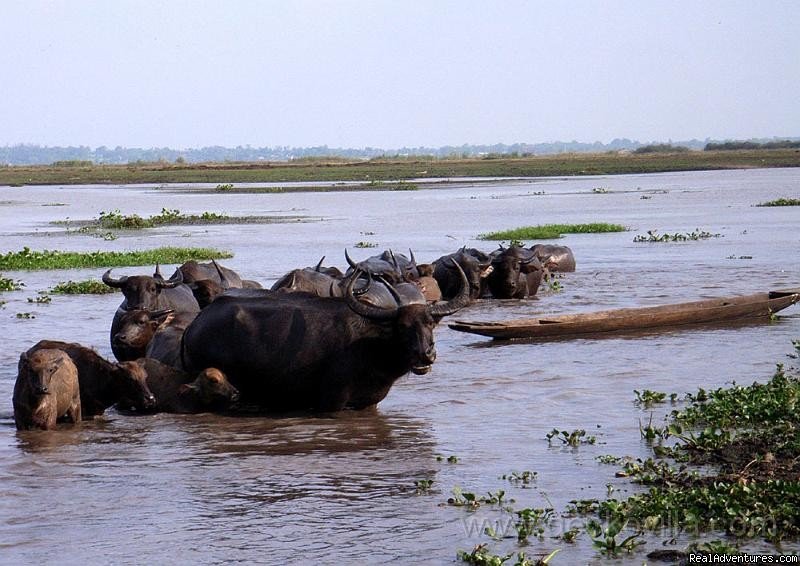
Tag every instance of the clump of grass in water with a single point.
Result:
(363, 244)
(653, 236)
(51, 259)
(8, 284)
(88, 287)
(552, 231)
(116, 220)
(781, 202)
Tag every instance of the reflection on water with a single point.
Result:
(340, 488)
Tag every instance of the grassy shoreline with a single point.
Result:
(394, 169)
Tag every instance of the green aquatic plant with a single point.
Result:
(552, 231)
(531, 522)
(605, 538)
(28, 259)
(481, 556)
(40, 300)
(363, 244)
(781, 202)
(423, 486)
(450, 459)
(648, 398)
(25, 315)
(574, 438)
(8, 284)
(88, 287)
(653, 236)
(521, 478)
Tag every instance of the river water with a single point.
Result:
(340, 489)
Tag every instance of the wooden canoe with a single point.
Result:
(759, 305)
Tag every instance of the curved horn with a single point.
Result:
(397, 298)
(157, 272)
(366, 288)
(456, 303)
(367, 311)
(172, 282)
(350, 261)
(111, 282)
(319, 265)
(223, 280)
(413, 259)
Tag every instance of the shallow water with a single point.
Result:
(211, 489)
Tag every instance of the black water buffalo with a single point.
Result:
(178, 392)
(192, 271)
(143, 292)
(395, 267)
(46, 390)
(554, 258)
(295, 351)
(516, 274)
(165, 346)
(309, 280)
(209, 280)
(474, 263)
(102, 383)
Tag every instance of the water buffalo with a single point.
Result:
(474, 263)
(46, 390)
(309, 280)
(428, 284)
(192, 271)
(395, 268)
(136, 330)
(102, 383)
(555, 258)
(517, 273)
(165, 345)
(296, 351)
(209, 280)
(178, 392)
(143, 292)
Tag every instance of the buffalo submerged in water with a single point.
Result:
(295, 351)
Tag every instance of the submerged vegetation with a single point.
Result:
(51, 259)
(781, 202)
(551, 231)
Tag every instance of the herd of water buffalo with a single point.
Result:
(319, 339)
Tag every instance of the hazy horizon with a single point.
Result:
(388, 74)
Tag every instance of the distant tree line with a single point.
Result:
(31, 154)
(661, 148)
(729, 145)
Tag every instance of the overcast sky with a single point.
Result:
(395, 73)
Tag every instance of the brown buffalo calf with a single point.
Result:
(46, 390)
(178, 392)
(103, 383)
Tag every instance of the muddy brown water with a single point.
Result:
(340, 489)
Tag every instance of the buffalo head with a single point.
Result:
(142, 291)
(410, 321)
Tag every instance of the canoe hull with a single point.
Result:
(759, 305)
